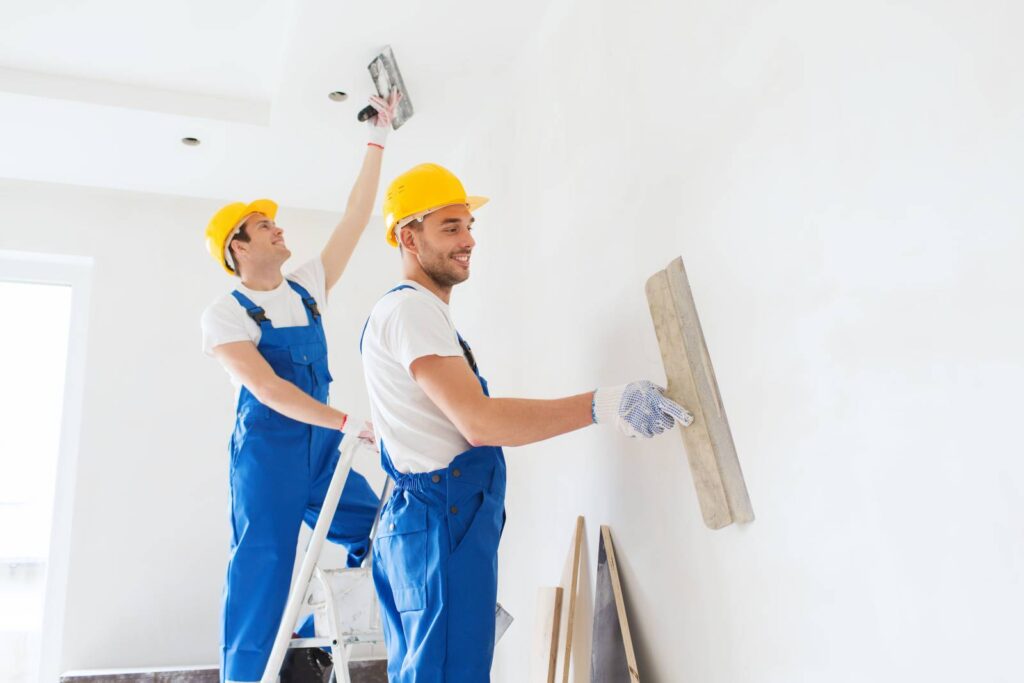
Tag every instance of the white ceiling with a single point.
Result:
(100, 92)
(229, 48)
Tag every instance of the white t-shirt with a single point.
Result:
(226, 320)
(402, 327)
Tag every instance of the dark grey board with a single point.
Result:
(609, 657)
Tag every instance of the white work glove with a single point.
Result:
(638, 409)
(381, 123)
(361, 429)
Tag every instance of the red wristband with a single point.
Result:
(374, 144)
(343, 423)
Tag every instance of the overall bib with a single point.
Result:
(435, 565)
(280, 471)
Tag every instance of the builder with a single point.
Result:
(440, 436)
(268, 334)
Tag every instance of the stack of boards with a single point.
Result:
(612, 657)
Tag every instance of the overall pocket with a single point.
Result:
(470, 516)
(322, 374)
(401, 549)
(251, 413)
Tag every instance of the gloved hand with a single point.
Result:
(638, 409)
(381, 123)
(368, 435)
(361, 429)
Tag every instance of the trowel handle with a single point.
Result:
(366, 113)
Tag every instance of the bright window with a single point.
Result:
(33, 356)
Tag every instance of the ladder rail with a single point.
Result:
(297, 592)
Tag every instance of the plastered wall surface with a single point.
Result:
(843, 182)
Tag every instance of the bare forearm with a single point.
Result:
(520, 421)
(342, 243)
(360, 200)
(287, 399)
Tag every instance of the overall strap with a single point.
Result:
(468, 353)
(255, 312)
(386, 464)
(363, 333)
(312, 312)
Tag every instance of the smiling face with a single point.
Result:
(264, 248)
(442, 244)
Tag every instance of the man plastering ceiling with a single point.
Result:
(268, 334)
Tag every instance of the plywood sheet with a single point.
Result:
(570, 588)
(545, 635)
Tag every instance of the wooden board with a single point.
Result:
(721, 490)
(545, 635)
(570, 586)
(612, 659)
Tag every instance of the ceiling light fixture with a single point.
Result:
(190, 142)
(338, 96)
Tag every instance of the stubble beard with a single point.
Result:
(442, 271)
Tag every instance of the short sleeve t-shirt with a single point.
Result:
(403, 326)
(226, 320)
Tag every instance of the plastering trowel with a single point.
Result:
(387, 78)
(721, 491)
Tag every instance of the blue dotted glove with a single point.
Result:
(638, 409)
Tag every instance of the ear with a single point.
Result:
(407, 238)
(237, 247)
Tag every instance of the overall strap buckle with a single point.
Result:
(311, 305)
(258, 315)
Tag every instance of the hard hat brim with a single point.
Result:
(265, 206)
(472, 203)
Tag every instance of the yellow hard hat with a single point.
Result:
(421, 190)
(226, 221)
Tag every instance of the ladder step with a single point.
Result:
(368, 637)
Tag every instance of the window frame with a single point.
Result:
(77, 273)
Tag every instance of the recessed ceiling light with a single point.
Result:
(338, 96)
(190, 142)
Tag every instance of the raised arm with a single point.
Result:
(244, 361)
(343, 240)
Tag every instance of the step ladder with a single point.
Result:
(344, 601)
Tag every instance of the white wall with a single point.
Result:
(843, 181)
(150, 530)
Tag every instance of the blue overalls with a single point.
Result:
(435, 564)
(280, 471)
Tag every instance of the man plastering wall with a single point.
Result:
(440, 436)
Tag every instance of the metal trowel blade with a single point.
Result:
(387, 78)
